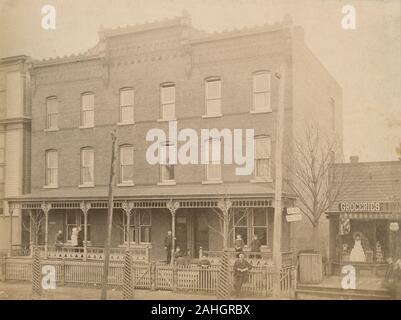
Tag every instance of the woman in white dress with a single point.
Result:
(74, 237)
(357, 254)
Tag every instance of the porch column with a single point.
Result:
(127, 206)
(173, 206)
(30, 233)
(85, 206)
(11, 208)
(46, 208)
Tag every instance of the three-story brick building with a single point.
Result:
(144, 77)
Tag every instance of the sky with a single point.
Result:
(365, 61)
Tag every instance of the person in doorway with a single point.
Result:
(241, 268)
(168, 245)
(238, 244)
(59, 240)
(357, 253)
(178, 253)
(255, 247)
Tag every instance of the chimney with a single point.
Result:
(354, 159)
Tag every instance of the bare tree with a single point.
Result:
(311, 174)
(35, 227)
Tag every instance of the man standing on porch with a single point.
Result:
(168, 245)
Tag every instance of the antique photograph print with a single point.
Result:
(200, 150)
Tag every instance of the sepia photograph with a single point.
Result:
(200, 150)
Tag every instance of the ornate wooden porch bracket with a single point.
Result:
(11, 207)
(45, 207)
(172, 206)
(128, 206)
(85, 206)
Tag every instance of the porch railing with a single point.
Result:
(152, 276)
(262, 257)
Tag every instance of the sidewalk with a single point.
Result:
(23, 291)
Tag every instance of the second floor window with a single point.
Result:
(51, 168)
(213, 96)
(213, 166)
(127, 105)
(87, 161)
(262, 157)
(261, 92)
(126, 164)
(168, 101)
(87, 110)
(51, 113)
(167, 174)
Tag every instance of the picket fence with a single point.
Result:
(151, 276)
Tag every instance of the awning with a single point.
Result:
(370, 215)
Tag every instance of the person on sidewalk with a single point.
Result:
(241, 268)
(168, 245)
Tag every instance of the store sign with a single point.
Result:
(293, 210)
(359, 206)
(293, 217)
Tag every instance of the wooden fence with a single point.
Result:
(151, 276)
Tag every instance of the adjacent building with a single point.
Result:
(364, 220)
(145, 77)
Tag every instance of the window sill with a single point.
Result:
(126, 184)
(50, 187)
(166, 183)
(212, 116)
(128, 123)
(86, 186)
(212, 182)
(166, 120)
(86, 127)
(262, 180)
(51, 129)
(261, 111)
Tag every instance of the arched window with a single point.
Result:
(87, 110)
(51, 168)
(213, 96)
(126, 164)
(261, 91)
(167, 98)
(126, 105)
(51, 113)
(87, 166)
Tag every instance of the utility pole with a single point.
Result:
(109, 220)
(277, 263)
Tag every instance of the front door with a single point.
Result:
(201, 233)
(181, 233)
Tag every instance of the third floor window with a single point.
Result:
(168, 101)
(51, 113)
(127, 105)
(261, 92)
(213, 96)
(87, 110)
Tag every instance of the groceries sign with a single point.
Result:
(359, 206)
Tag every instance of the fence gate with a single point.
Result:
(163, 276)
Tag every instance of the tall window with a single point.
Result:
(167, 174)
(87, 162)
(262, 157)
(145, 226)
(51, 113)
(127, 105)
(51, 168)
(241, 225)
(131, 229)
(213, 96)
(213, 166)
(87, 109)
(259, 224)
(75, 219)
(168, 101)
(261, 91)
(126, 164)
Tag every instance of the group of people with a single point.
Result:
(77, 238)
(255, 246)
